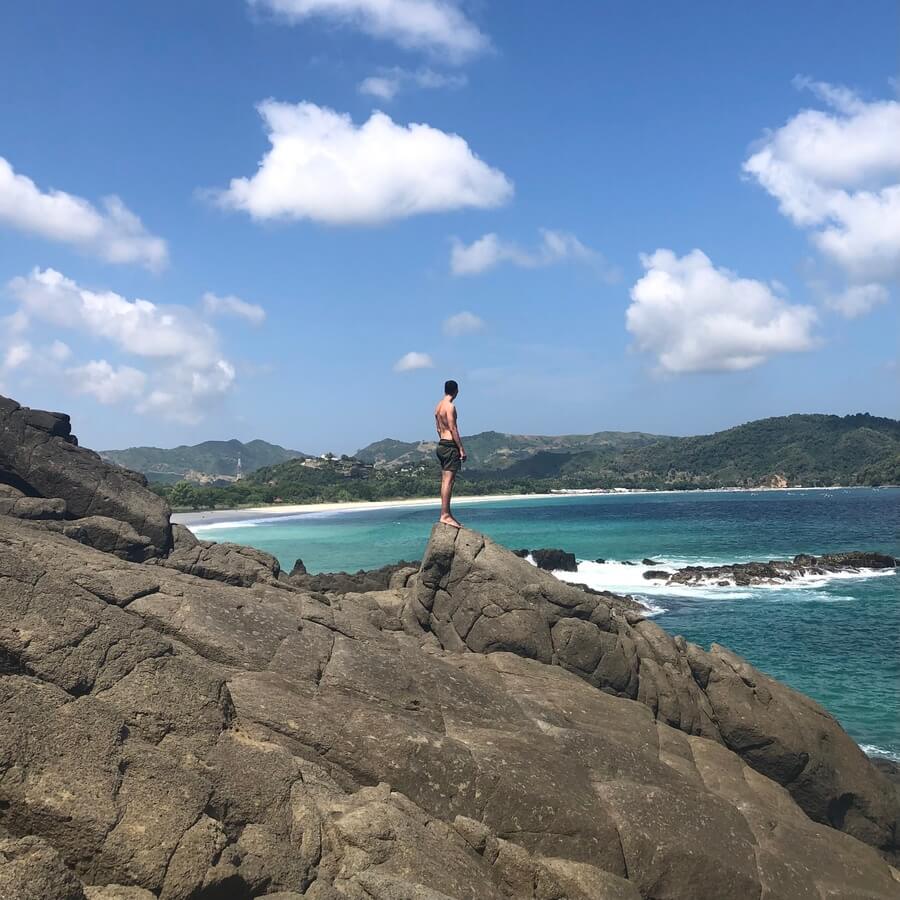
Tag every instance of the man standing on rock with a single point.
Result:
(450, 452)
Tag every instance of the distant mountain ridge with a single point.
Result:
(494, 450)
(795, 449)
(206, 461)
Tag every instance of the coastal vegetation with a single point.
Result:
(797, 450)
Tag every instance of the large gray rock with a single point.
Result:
(474, 595)
(35, 508)
(196, 739)
(229, 563)
(40, 456)
(30, 869)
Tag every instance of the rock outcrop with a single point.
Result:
(40, 457)
(476, 596)
(209, 729)
(775, 571)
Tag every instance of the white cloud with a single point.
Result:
(837, 174)
(186, 364)
(105, 382)
(412, 361)
(389, 82)
(59, 351)
(135, 326)
(114, 233)
(384, 87)
(462, 323)
(16, 355)
(438, 26)
(490, 250)
(230, 305)
(323, 167)
(694, 317)
(857, 300)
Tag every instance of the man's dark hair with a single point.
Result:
(451, 387)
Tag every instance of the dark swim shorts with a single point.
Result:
(448, 456)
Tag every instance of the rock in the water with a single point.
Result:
(778, 571)
(656, 574)
(555, 560)
(40, 456)
(649, 562)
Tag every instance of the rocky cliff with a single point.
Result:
(184, 720)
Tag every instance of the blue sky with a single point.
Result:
(656, 217)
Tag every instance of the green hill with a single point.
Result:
(800, 449)
(494, 451)
(200, 462)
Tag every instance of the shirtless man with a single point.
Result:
(450, 452)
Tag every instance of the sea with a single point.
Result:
(836, 639)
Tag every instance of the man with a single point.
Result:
(450, 451)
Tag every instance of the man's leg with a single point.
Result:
(447, 479)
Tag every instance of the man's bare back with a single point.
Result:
(445, 419)
(450, 451)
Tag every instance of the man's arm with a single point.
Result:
(454, 430)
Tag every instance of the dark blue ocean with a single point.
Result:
(837, 639)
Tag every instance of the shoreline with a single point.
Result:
(232, 517)
(213, 517)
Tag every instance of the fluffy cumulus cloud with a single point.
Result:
(836, 173)
(411, 361)
(183, 369)
(229, 305)
(694, 317)
(324, 167)
(105, 382)
(491, 250)
(113, 233)
(389, 82)
(437, 26)
(462, 323)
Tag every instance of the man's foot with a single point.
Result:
(449, 520)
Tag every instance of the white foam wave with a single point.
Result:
(872, 750)
(585, 576)
(629, 579)
(215, 526)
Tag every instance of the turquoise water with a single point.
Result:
(837, 640)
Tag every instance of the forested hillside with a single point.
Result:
(807, 450)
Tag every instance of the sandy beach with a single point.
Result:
(226, 516)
